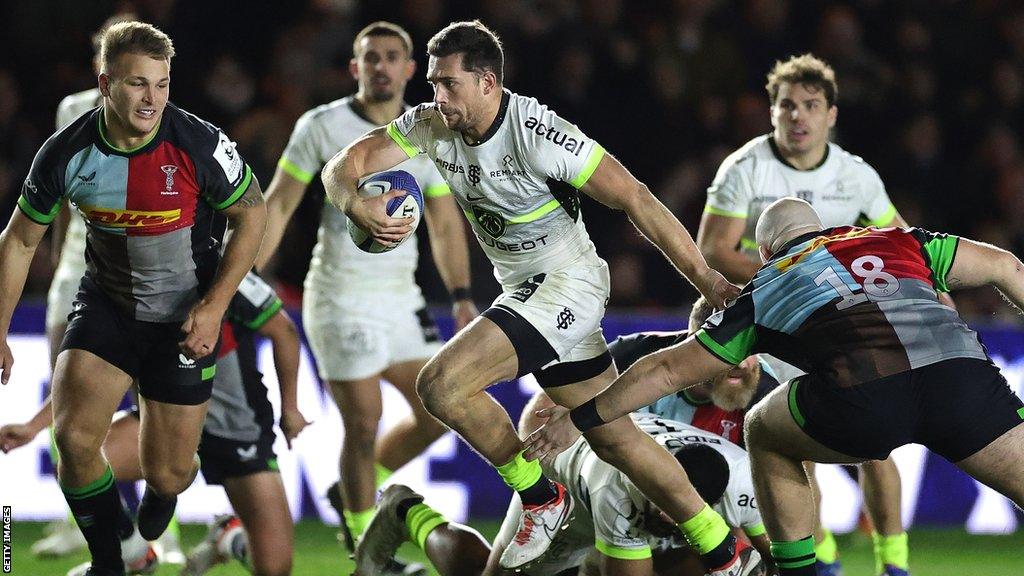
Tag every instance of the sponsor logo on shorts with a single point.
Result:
(88, 178)
(114, 218)
(185, 361)
(246, 454)
(526, 289)
(565, 319)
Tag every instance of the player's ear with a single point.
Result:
(489, 82)
(353, 69)
(833, 114)
(410, 68)
(103, 80)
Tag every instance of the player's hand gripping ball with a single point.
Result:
(408, 205)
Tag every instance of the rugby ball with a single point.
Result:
(409, 204)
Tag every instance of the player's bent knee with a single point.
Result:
(754, 428)
(77, 446)
(169, 481)
(610, 449)
(436, 388)
(361, 433)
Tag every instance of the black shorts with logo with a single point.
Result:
(955, 408)
(223, 458)
(146, 351)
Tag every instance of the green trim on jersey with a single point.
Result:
(709, 209)
(755, 530)
(748, 244)
(264, 316)
(884, 220)
(794, 410)
(242, 187)
(35, 215)
(735, 350)
(612, 551)
(437, 190)
(941, 250)
(291, 169)
(596, 154)
(536, 214)
(103, 136)
(209, 372)
(402, 142)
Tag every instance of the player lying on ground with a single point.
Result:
(718, 405)
(886, 363)
(617, 532)
(236, 449)
(517, 169)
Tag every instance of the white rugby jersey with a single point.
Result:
(844, 190)
(72, 252)
(337, 264)
(518, 186)
(615, 523)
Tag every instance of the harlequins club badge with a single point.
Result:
(492, 222)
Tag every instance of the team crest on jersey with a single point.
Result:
(169, 180)
(492, 222)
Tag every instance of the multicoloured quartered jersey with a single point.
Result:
(519, 186)
(849, 305)
(152, 240)
(844, 189)
(337, 264)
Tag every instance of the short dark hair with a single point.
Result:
(382, 28)
(479, 45)
(134, 38)
(707, 469)
(803, 69)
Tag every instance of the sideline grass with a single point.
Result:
(932, 553)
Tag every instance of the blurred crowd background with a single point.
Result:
(931, 93)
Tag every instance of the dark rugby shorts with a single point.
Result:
(955, 408)
(146, 351)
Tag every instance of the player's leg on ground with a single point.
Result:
(86, 392)
(1000, 465)
(777, 448)
(122, 449)
(359, 402)
(654, 471)
(266, 545)
(168, 437)
(880, 482)
(414, 433)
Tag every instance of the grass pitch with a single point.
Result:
(932, 553)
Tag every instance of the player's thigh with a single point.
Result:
(122, 447)
(412, 339)
(86, 391)
(169, 435)
(772, 425)
(1000, 465)
(477, 357)
(572, 395)
(359, 401)
(259, 500)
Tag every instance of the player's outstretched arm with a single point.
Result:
(451, 254)
(717, 239)
(282, 198)
(247, 221)
(374, 152)
(14, 436)
(18, 244)
(613, 185)
(284, 342)
(652, 377)
(979, 264)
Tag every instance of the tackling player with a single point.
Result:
(887, 364)
(798, 160)
(149, 178)
(516, 170)
(357, 334)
